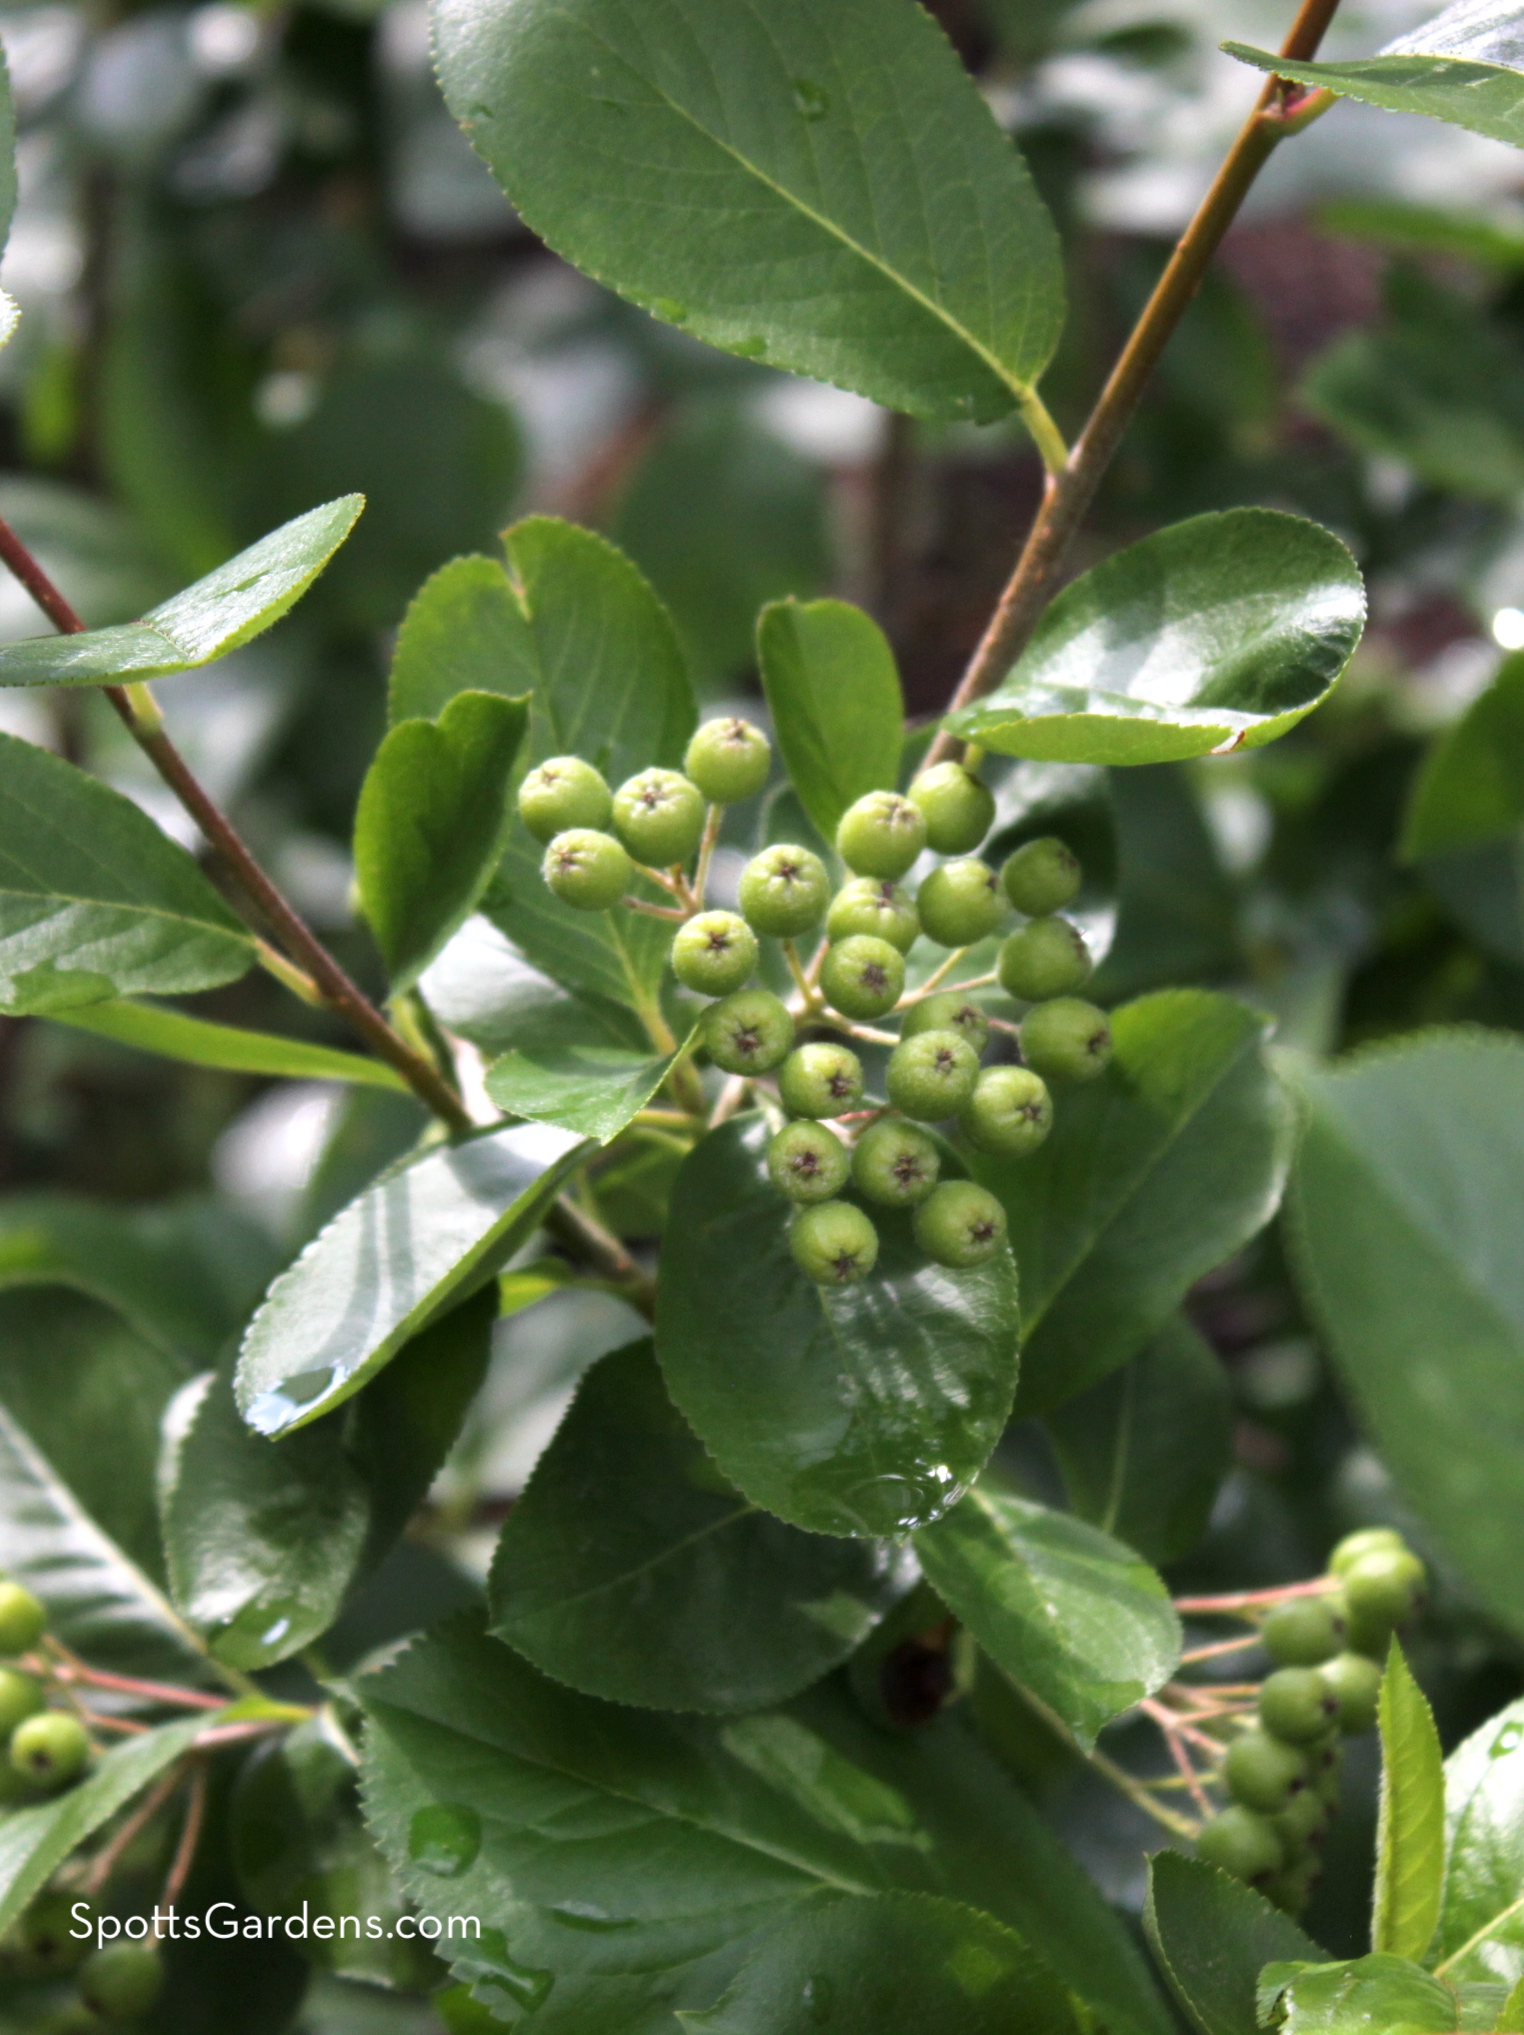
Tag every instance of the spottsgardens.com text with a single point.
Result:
(224, 1922)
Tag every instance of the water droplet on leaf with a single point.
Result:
(753, 348)
(1508, 1740)
(498, 1980)
(811, 101)
(444, 1839)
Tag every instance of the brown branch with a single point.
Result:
(602, 1250)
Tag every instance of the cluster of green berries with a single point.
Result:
(114, 1984)
(46, 1749)
(1283, 1773)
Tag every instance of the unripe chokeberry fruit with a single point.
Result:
(1297, 1706)
(20, 1698)
(728, 760)
(881, 835)
(1304, 1818)
(22, 1620)
(747, 1033)
(959, 903)
(931, 1075)
(659, 816)
(862, 977)
(960, 1224)
(1242, 1843)
(895, 1163)
(48, 1945)
(1041, 877)
(1369, 1540)
(821, 1080)
(1263, 1772)
(714, 953)
(877, 906)
(1383, 1587)
(122, 1980)
(959, 811)
(1355, 1683)
(50, 1749)
(587, 869)
(1066, 1040)
(1009, 1112)
(948, 1011)
(1291, 1888)
(1304, 1631)
(783, 891)
(807, 1162)
(834, 1244)
(563, 792)
(1047, 958)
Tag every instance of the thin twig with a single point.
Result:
(1138, 1793)
(1245, 1600)
(712, 820)
(1198, 1654)
(806, 988)
(1188, 1773)
(600, 1248)
(190, 1837)
(732, 1097)
(936, 978)
(654, 911)
(108, 1857)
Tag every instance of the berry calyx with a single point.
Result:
(863, 977)
(821, 1080)
(959, 903)
(747, 1033)
(1047, 958)
(877, 906)
(1010, 1112)
(659, 816)
(895, 1164)
(22, 1620)
(931, 1075)
(960, 1224)
(49, 1750)
(1041, 877)
(1304, 1631)
(122, 1980)
(1297, 1706)
(563, 792)
(586, 869)
(1066, 1040)
(728, 760)
(20, 1698)
(1355, 1684)
(714, 953)
(958, 809)
(1369, 1540)
(807, 1162)
(881, 835)
(1241, 1843)
(1263, 1772)
(834, 1244)
(783, 891)
(1383, 1587)
(948, 1011)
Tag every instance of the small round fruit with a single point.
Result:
(50, 1750)
(783, 891)
(1241, 1843)
(1291, 1888)
(1384, 1587)
(1047, 958)
(748, 1033)
(563, 792)
(959, 811)
(15, 1792)
(1041, 877)
(948, 1011)
(807, 1162)
(714, 953)
(22, 1620)
(1302, 1821)
(931, 1075)
(877, 906)
(1369, 1540)
(1009, 1112)
(960, 1224)
(1355, 1684)
(1296, 1705)
(586, 869)
(1329, 1782)
(49, 1948)
(821, 1080)
(894, 1163)
(863, 977)
(959, 903)
(881, 835)
(1263, 1773)
(728, 760)
(20, 1698)
(1304, 1631)
(834, 1244)
(123, 1980)
(659, 816)
(1066, 1040)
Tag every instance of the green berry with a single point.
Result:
(1264, 1773)
(1291, 1888)
(1369, 1540)
(1041, 877)
(20, 1698)
(1329, 1781)
(783, 891)
(50, 1750)
(561, 793)
(1304, 1631)
(1304, 1818)
(1355, 1684)
(122, 1980)
(948, 1011)
(1066, 1040)
(586, 869)
(1384, 1587)
(47, 1943)
(659, 816)
(958, 809)
(821, 1080)
(807, 1162)
(863, 977)
(1009, 1112)
(714, 953)
(881, 835)
(1241, 1843)
(748, 1033)
(931, 1075)
(1296, 1705)
(894, 1163)
(728, 760)
(834, 1244)
(877, 906)
(959, 903)
(15, 1789)
(1047, 958)
(960, 1224)
(22, 1620)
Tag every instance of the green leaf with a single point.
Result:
(420, 1239)
(464, 631)
(1405, 1248)
(1410, 1860)
(824, 190)
(95, 901)
(483, 988)
(1211, 1936)
(431, 824)
(1218, 633)
(1512, 2016)
(1144, 1452)
(1481, 1917)
(174, 1036)
(1376, 1995)
(1177, 909)
(593, 1090)
(232, 605)
(857, 1410)
(834, 690)
(1153, 1174)
(630, 1569)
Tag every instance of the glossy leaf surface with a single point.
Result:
(1410, 1861)
(1484, 1854)
(1465, 824)
(1212, 1936)
(593, 1090)
(174, 1036)
(834, 690)
(1366, 1996)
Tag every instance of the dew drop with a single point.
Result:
(498, 1980)
(246, 1641)
(1508, 1740)
(270, 1412)
(670, 309)
(811, 101)
(444, 1839)
(753, 348)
